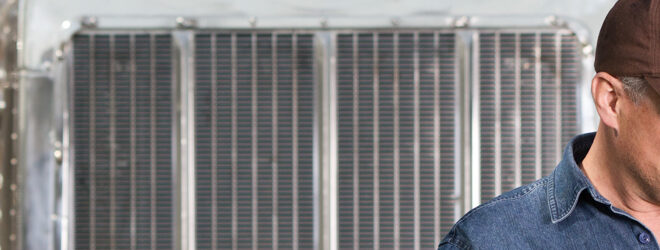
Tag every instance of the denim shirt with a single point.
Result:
(560, 211)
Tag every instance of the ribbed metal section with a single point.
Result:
(122, 116)
(254, 140)
(408, 81)
(400, 98)
(528, 105)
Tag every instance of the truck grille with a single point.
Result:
(410, 104)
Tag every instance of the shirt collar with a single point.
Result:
(567, 181)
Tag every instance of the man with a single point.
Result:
(605, 193)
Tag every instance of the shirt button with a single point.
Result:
(644, 238)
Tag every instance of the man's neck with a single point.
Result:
(618, 184)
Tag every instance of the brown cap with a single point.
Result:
(629, 41)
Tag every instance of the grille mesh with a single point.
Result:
(399, 124)
(258, 87)
(527, 113)
(404, 79)
(122, 132)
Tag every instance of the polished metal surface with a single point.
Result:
(247, 132)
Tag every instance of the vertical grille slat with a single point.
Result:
(108, 124)
(488, 89)
(450, 204)
(386, 138)
(143, 140)
(570, 75)
(365, 138)
(426, 139)
(305, 139)
(285, 120)
(81, 124)
(345, 127)
(123, 118)
(528, 107)
(259, 89)
(549, 138)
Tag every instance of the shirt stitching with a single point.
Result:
(522, 193)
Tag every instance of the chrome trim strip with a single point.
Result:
(558, 103)
(255, 167)
(274, 144)
(416, 157)
(397, 219)
(498, 116)
(537, 107)
(517, 117)
(476, 120)
(436, 137)
(184, 41)
(376, 142)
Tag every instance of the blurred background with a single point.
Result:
(280, 124)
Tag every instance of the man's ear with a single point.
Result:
(607, 91)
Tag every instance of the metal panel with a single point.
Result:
(391, 88)
(525, 93)
(123, 198)
(400, 122)
(254, 127)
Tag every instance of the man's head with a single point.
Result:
(626, 90)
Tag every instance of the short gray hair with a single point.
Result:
(635, 87)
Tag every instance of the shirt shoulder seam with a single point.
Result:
(525, 191)
(457, 243)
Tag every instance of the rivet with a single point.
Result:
(185, 23)
(462, 22)
(89, 22)
(324, 22)
(59, 55)
(552, 20)
(395, 21)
